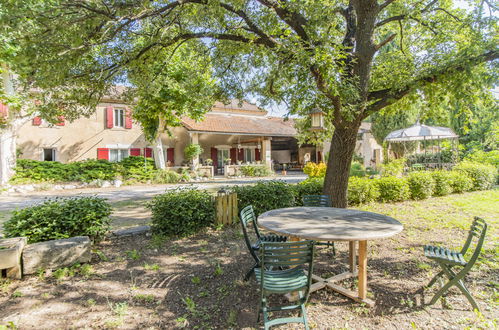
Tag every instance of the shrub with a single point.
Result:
(482, 175)
(265, 195)
(137, 168)
(443, 183)
(182, 212)
(92, 169)
(393, 168)
(192, 151)
(484, 157)
(28, 170)
(460, 181)
(166, 176)
(255, 170)
(61, 218)
(357, 169)
(421, 184)
(311, 186)
(315, 170)
(392, 189)
(362, 190)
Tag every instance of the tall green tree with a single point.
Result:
(350, 58)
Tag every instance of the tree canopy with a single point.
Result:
(349, 58)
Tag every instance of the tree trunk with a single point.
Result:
(338, 165)
(159, 154)
(8, 139)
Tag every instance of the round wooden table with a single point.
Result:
(334, 224)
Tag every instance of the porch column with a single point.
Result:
(195, 140)
(266, 152)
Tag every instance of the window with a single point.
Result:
(49, 154)
(119, 117)
(249, 155)
(222, 155)
(117, 155)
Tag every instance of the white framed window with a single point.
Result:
(48, 154)
(119, 117)
(117, 155)
(249, 155)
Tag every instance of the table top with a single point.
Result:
(329, 224)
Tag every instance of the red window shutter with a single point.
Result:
(241, 155)
(109, 116)
(37, 121)
(128, 118)
(233, 155)
(214, 157)
(4, 110)
(103, 153)
(134, 151)
(257, 154)
(148, 152)
(170, 155)
(61, 121)
(319, 156)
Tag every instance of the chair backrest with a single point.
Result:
(275, 255)
(477, 233)
(317, 200)
(248, 219)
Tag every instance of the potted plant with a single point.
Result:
(208, 162)
(192, 151)
(227, 161)
(239, 162)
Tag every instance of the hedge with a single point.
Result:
(421, 184)
(482, 175)
(265, 195)
(61, 218)
(443, 182)
(311, 186)
(460, 182)
(392, 189)
(362, 191)
(182, 212)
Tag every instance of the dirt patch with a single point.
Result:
(148, 282)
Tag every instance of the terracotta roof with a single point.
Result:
(237, 124)
(234, 105)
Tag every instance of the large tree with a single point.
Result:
(349, 58)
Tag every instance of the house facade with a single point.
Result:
(234, 133)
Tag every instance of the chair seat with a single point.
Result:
(444, 255)
(282, 281)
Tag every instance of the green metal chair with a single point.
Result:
(247, 216)
(298, 257)
(319, 201)
(448, 259)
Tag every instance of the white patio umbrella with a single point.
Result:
(420, 132)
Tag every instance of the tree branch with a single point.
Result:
(295, 20)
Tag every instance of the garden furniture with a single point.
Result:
(319, 201)
(448, 259)
(290, 258)
(247, 218)
(334, 224)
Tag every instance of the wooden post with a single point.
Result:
(226, 204)
(352, 257)
(362, 269)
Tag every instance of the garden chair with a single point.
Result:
(247, 216)
(320, 201)
(448, 259)
(295, 256)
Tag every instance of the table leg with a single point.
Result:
(352, 257)
(362, 269)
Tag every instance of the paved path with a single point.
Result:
(130, 192)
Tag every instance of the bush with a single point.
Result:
(421, 184)
(362, 190)
(28, 170)
(255, 170)
(311, 186)
(265, 195)
(393, 168)
(137, 168)
(484, 157)
(392, 189)
(182, 212)
(92, 169)
(357, 169)
(482, 175)
(443, 183)
(166, 176)
(315, 170)
(460, 181)
(61, 218)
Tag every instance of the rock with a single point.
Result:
(56, 254)
(132, 231)
(105, 184)
(58, 187)
(69, 186)
(29, 187)
(117, 183)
